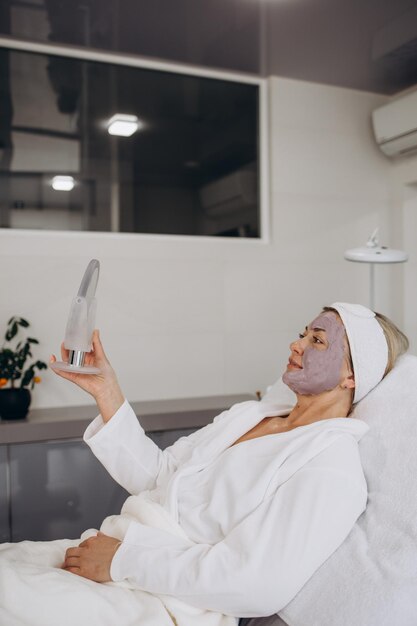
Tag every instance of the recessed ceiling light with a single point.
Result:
(123, 125)
(63, 183)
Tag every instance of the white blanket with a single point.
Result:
(34, 591)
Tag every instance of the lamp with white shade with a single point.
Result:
(373, 253)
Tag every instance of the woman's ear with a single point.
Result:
(349, 382)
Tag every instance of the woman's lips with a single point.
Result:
(292, 364)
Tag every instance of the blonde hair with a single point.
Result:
(396, 340)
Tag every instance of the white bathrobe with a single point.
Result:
(262, 516)
(211, 532)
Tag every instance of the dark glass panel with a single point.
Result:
(191, 167)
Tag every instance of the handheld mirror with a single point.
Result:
(80, 324)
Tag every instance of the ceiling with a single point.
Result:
(362, 44)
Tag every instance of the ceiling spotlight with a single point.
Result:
(123, 125)
(63, 183)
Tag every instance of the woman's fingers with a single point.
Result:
(98, 347)
(90, 358)
(72, 561)
(52, 360)
(73, 570)
(64, 352)
(71, 552)
(94, 356)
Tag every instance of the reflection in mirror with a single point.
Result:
(87, 145)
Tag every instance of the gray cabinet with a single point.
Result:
(58, 489)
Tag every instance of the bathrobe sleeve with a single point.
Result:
(130, 456)
(263, 562)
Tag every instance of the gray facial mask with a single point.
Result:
(321, 369)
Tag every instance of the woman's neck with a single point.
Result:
(326, 405)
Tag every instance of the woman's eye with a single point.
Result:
(315, 339)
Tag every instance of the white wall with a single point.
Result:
(187, 317)
(405, 225)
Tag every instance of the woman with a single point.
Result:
(234, 519)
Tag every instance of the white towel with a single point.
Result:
(35, 592)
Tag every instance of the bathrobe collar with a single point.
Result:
(242, 417)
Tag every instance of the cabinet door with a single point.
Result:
(58, 490)
(4, 501)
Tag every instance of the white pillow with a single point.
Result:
(371, 579)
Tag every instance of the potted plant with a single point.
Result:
(16, 379)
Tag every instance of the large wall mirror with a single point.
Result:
(183, 156)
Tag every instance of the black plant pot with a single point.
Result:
(14, 403)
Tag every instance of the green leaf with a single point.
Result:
(29, 374)
(32, 340)
(11, 332)
(23, 322)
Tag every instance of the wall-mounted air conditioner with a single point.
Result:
(230, 193)
(395, 126)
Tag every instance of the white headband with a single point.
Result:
(368, 346)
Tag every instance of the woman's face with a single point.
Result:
(318, 359)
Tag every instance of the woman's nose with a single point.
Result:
(297, 346)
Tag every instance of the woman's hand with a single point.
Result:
(104, 386)
(92, 559)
